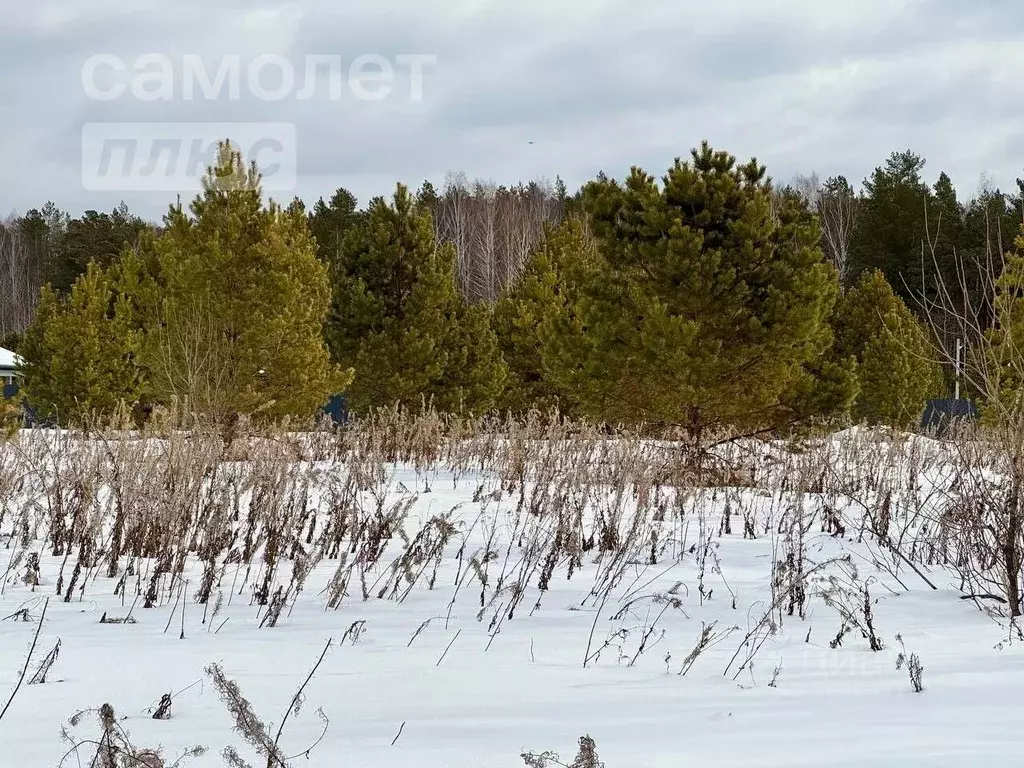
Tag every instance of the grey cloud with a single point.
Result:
(800, 84)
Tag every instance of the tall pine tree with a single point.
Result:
(79, 354)
(708, 305)
(399, 321)
(240, 300)
(541, 305)
(890, 229)
(330, 222)
(999, 371)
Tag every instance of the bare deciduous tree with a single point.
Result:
(191, 366)
(835, 203)
(493, 229)
(21, 277)
(984, 513)
(836, 206)
(808, 187)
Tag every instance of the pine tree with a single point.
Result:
(947, 242)
(11, 417)
(991, 222)
(890, 228)
(427, 196)
(330, 223)
(539, 306)
(708, 305)
(896, 366)
(896, 375)
(44, 232)
(858, 317)
(95, 236)
(1002, 372)
(79, 353)
(399, 321)
(240, 300)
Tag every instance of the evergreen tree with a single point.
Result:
(12, 341)
(561, 192)
(44, 232)
(708, 306)
(890, 229)
(946, 245)
(428, 196)
(233, 299)
(946, 220)
(1002, 374)
(135, 278)
(896, 367)
(330, 223)
(897, 374)
(12, 417)
(858, 315)
(991, 222)
(98, 237)
(79, 353)
(539, 306)
(399, 321)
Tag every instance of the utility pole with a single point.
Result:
(956, 385)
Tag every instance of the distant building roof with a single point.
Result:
(8, 360)
(939, 415)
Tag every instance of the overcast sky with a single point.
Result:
(803, 85)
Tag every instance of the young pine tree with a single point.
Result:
(399, 321)
(896, 370)
(707, 307)
(541, 305)
(11, 417)
(235, 299)
(999, 373)
(80, 353)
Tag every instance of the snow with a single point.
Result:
(490, 696)
(8, 360)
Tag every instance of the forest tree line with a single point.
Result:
(710, 297)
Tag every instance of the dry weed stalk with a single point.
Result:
(113, 747)
(913, 664)
(585, 758)
(256, 516)
(252, 729)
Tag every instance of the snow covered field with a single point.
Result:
(474, 616)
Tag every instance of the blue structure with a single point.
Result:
(940, 415)
(30, 419)
(10, 391)
(337, 409)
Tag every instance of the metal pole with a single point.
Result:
(956, 393)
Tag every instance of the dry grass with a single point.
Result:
(271, 506)
(255, 513)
